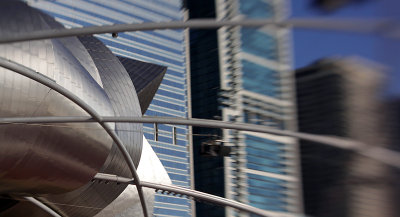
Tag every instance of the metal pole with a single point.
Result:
(27, 72)
(381, 154)
(328, 140)
(42, 206)
(347, 25)
(192, 193)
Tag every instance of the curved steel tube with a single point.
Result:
(329, 140)
(383, 155)
(27, 72)
(348, 25)
(42, 206)
(189, 192)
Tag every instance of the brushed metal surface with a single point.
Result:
(56, 162)
(127, 204)
(37, 159)
(146, 77)
(119, 87)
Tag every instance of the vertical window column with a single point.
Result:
(155, 132)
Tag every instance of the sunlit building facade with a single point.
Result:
(250, 82)
(162, 47)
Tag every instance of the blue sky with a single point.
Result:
(310, 45)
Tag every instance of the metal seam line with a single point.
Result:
(189, 192)
(42, 206)
(383, 155)
(384, 27)
(27, 72)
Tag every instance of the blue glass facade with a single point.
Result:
(257, 8)
(260, 79)
(259, 43)
(264, 155)
(263, 169)
(162, 47)
(268, 162)
(251, 83)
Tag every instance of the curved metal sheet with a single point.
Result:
(120, 89)
(124, 100)
(38, 159)
(151, 170)
(146, 77)
(62, 157)
(76, 48)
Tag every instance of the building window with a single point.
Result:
(155, 132)
(174, 136)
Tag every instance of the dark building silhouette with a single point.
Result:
(333, 5)
(340, 97)
(205, 84)
(392, 119)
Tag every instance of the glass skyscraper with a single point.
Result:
(244, 75)
(162, 47)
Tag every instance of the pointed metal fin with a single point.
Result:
(146, 77)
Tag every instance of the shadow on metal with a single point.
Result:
(42, 206)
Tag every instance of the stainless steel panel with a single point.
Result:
(56, 162)
(119, 87)
(146, 77)
(151, 170)
(37, 159)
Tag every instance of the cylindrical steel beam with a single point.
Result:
(42, 206)
(347, 25)
(27, 72)
(191, 193)
(378, 153)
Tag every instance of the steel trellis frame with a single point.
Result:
(376, 26)
(27, 72)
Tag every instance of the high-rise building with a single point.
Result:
(341, 97)
(244, 75)
(392, 107)
(162, 47)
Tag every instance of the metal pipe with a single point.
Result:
(386, 156)
(42, 206)
(27, 72)
(189, 192)
(329, 140)
(347, 25)
(209, 198)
